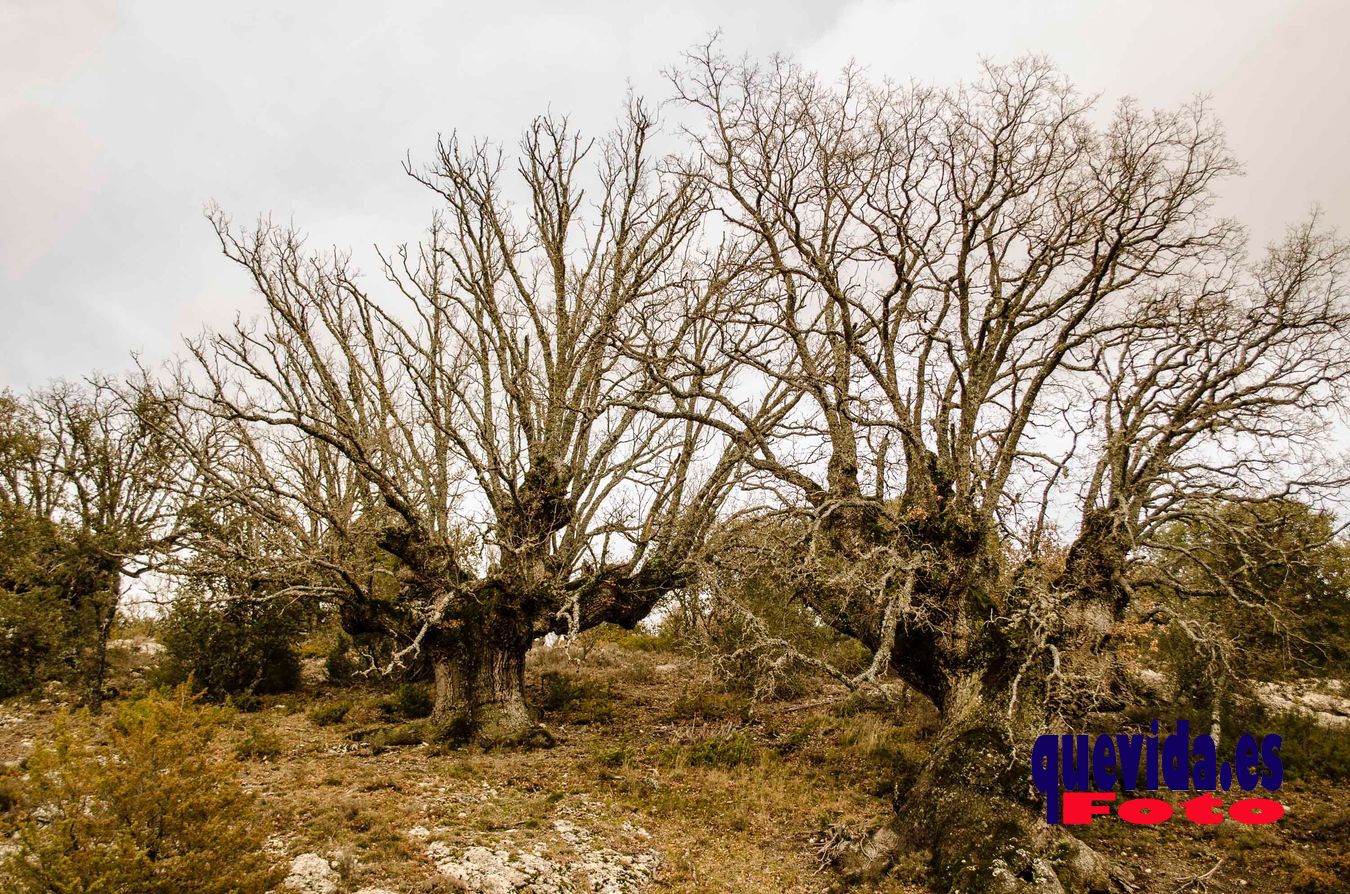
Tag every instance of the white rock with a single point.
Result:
(311, 874)
(482, 871)
(148, 647)
(1319, 700)
(596, 870)
(45, 814)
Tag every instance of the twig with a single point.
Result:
(1198, 882)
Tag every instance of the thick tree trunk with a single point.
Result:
(484, 626)
(973, 808)
(451, 711)
(499, 714)
(480, 693)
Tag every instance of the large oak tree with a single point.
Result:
(483, 458)
(1007, 316)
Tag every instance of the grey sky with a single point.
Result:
(120, 120)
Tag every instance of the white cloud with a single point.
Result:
(119, 121)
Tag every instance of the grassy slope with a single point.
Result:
(729, 803)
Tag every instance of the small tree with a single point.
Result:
(51, 593)
(90, 462)
(149, 810)
(231, 644)
(1268, 581)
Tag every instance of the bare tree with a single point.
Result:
(1001, 320)
(484, 460)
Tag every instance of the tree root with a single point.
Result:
(1048, 862)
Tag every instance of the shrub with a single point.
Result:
(54, 602)
(8, 793)
(575, 700)
(149, 810)
(231, 646)
(1285, 562)
(639, 639)
(339, 664)
(259, 743)
(330, 714)
(558, 691)
(614, 756)
(762, 640)
(410, 702)
(1308, 749)
(33, 641)
(413, 701)
(245, 702)
(733, 749)
(710, 704)
(724, 748)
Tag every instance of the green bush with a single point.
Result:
(723, 749)
(638, 639)
(709, 704)
(1309, 750)
(413, 701)
(339, 664)
(762, 640)
(231, 647)
(259, 743)
(613, 756)
(34, 641)
(330, 714)
(244, 702)
(575, 700)
(54, 601)
(148, 810)
(731, 750)
(1274, 575)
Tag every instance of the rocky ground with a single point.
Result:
(660, 781)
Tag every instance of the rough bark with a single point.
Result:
(974, 654)
(480, 694)
(483, 629)
(973, 808)
(947, 276)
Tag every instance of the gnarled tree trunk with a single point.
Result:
(480, 692)
(964, 640)
(479, 630)
(973, 805)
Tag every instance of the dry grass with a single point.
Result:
(730, 804)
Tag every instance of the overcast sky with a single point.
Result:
(119, 121)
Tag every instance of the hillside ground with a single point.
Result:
(671, 774)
